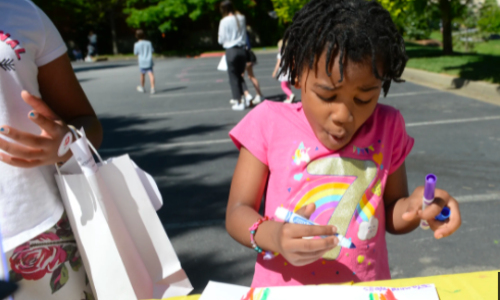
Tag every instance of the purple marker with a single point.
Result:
(430, 187)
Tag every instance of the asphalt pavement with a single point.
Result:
(180, 136)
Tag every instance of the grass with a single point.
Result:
(483, 64)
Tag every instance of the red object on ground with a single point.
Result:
(212, 54)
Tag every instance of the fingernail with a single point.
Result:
(440, 236)
(32, 115)
(334, 229)
(4, 130)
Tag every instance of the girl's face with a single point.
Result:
(336, 110)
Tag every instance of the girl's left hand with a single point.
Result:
(31, 150)
(441, 199)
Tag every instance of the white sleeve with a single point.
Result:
(136, 52)
(221, 32)
(52, 45)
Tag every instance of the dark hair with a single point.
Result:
(226, 7)
(358, 29)
(139, 34)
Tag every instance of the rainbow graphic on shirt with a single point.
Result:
(364, 210)
(326, 193)
(387, 296)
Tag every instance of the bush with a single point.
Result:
(489, 17)
(417, 27)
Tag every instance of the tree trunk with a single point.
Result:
(113, 30)
(446, 18)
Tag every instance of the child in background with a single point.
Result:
(144, 50)
(284, 76)
(337, 158)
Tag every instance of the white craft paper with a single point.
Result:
(224, 291)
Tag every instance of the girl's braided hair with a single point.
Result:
(358, 29)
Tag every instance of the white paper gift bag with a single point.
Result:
(222, 64)
(125, 250)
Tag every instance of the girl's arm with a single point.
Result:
(247, 188)
(63, 102)
(276, 68)
(62, 92)
(404, 211)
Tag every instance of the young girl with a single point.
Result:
(284, 77)
(337, 158)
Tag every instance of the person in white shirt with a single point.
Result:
(232, 36)
(39, 95)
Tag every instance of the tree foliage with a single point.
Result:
(83, 12)
(165, 14)
(489, 17)
(286, 9)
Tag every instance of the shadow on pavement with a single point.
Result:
(184, 200)
(171, 89)
(99, 66)
(205, 267)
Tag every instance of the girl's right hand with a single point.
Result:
(300, 251)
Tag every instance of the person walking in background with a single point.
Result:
(251, 61)
(284, 76)
(232, 36)
(92, 46)
(40, 95)
(144, 50)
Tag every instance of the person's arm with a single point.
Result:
(63, 102)
(247, 188)
(62, 92)
(276, 68)
(221, 35)
(404, 211)
(136, 49)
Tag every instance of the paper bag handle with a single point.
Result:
(77, 133)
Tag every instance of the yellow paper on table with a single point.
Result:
(477, 286)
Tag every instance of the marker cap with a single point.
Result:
(444, 215)
(430, 186)
(281, 213)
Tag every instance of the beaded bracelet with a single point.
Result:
(253, 229)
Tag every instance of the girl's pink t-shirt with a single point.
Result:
(347, 187)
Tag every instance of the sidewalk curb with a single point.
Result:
(479, 90)
(221, 53)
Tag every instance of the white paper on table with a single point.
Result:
(224, 291)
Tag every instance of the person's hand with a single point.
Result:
(31, 150)
(274, 74)
(299, 251)
(441, 199)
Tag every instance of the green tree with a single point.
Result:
(165, 14)
(489, 17)
(449, 10)
(87, 13)
(286, 9)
